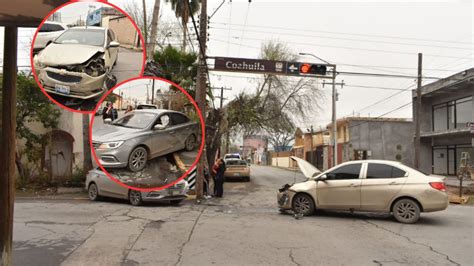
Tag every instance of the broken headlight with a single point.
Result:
(95, 67)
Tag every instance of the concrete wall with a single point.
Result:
(386, 140)
(124, 30)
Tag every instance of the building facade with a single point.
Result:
(447, 109)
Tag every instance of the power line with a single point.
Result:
(389, 112)
(348, 48)
(347, 33)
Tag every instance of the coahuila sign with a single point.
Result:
(249, 65)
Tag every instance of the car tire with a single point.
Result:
(406, 211)
(175, 202)
(93, 192)
(135, 197)
(190, 143)
(137, 159)
(303, 204)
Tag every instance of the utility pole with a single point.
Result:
(8, 137)
(418, 112)
(154, 27)
(334, 121)
(145, 26)
(201, 87)
(227, 137)
(311, 154)
(153, 90)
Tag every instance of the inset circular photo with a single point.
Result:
(146, 135)
(83, 49)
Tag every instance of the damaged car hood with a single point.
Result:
(67, 54)
(308, 170)
(115, 133)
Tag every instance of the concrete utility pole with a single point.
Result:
(334, 121)
(145, 27)
(154, 29)
(201, 87)
(7, 137)
(311, 154)
(153, 91)
(418, 112)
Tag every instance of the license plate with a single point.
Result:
(236, 174)
(174, 192)
(62, 89)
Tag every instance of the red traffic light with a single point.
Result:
(314, 69)
(305, 68)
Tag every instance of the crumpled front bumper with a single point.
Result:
(284, 198)
(81, 85)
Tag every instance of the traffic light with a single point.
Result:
(314, 69)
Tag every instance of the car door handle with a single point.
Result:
(172, 132)
(354, 185)
(393, 183)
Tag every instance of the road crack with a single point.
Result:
(293, 258)
(413, 242)
(180, 254)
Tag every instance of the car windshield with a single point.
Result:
(146, 107)
(232, 156)
(135, 120)
(82, 36)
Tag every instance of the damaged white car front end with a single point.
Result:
(75, 70)
(288, 191)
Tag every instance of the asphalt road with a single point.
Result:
(243, 228)
(129, 65)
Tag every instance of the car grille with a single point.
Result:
(64, 78)
(95, 144)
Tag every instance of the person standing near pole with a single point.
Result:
(220, 170)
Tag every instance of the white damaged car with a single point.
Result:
(77, 64)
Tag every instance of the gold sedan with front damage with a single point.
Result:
(366, 185)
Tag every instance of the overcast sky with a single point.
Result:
(377, 36)
(137, 89)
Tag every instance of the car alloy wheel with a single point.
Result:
(406, 211)
(93, 192)
(190, 142)
(137, 160)
(135, 197)
(303, 204)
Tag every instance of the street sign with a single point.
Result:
(94, 18)
(261, 66)
(249, 65)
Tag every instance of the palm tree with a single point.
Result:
(184, 11)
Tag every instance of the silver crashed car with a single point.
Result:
(77, 63)
(142, 135)
(98, 185)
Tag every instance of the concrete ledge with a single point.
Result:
(69, 190)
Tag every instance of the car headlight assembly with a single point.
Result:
(110, 145)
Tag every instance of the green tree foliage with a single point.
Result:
(179, 67)
(33, 108)
(184, 11)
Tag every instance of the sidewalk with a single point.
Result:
(452, 181)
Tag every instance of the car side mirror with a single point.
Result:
(114, 44)
(159, 127)
(107, 121)
(322, 177)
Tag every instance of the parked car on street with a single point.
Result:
(77, 64)
(237, 169)
(98, 185)
(232, 156)
(142, 135)
(365, 185)
(47, 34)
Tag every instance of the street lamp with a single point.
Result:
(334, 96)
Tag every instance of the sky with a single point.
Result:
(358, 36)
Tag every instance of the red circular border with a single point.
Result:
(66, 4)
(201, 148)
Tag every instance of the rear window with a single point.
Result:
(232, 156)
(236, 162)
(142, 107)
(377, 170)
(47, 27)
